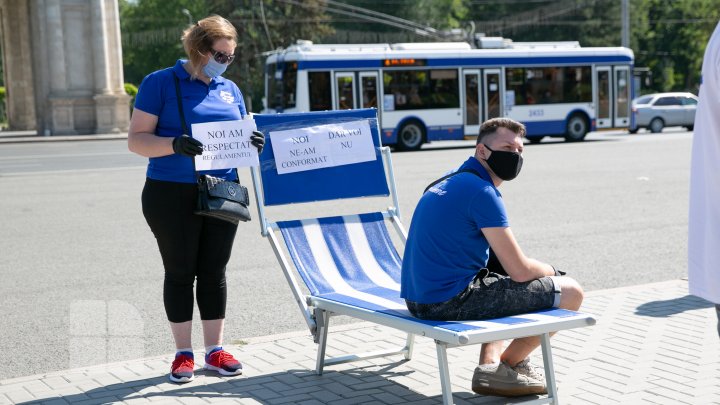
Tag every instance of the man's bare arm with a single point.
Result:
(519, 267)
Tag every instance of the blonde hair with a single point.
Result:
(199, 39)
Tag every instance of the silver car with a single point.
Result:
(660, 110)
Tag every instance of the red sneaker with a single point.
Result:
(182, 368)
(223, 362)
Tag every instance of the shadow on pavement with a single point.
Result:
(292, 386)
(663, 309)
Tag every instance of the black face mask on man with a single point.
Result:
(505, 165)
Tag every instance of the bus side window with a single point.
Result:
(320, 91)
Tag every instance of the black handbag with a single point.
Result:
(217, 198)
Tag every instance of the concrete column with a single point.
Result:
(112, 109)
(56, 45)
(114, 46)
(17, 63)
(99, 47)
(61, 106)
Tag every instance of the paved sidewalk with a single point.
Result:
(652, 344)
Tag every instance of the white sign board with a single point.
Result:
(509, 98)
(389, 102)
(322, 146)
(226, 144)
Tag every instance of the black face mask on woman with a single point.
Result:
(505, 165)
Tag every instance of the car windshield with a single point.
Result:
(642, 100)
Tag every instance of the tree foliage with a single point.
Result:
(151, 32)
(261, 29)
(668, 37)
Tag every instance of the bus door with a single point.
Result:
(492, 94)
(369, 91)
(604, 97)
(622, 96)
(471, 106)
(344, 91)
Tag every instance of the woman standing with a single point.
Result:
(192, 246)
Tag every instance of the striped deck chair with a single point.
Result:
(350, 265)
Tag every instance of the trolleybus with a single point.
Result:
(444, 90)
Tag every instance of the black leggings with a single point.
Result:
(191, 247)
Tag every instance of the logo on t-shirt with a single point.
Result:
(227, 97)
(437, 190)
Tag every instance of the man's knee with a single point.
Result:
(571, 293)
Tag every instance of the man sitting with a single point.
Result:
(458, 222)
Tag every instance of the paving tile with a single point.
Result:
(56, 401)
(20, 395)
(667, 354)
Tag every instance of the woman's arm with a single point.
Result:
(142, 139)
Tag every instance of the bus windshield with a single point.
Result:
(281, 85)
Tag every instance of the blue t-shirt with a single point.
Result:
(221, 100)
(446, 248)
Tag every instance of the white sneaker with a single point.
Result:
(530, 370)
(501, 380)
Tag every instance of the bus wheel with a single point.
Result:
(656, 125)
(411, 136)
(577, 128)
(535, 139)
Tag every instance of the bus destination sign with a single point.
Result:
(404, 62)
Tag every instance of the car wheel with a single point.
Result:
(656, 125)
(577, 128)
(690, 128)
(411, 135)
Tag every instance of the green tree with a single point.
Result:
(667, 37)
(283, 24)
(151, 31)
(426, 14)
(670, 39)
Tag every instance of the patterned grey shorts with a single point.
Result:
(491, 295)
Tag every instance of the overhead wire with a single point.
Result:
(420, 31)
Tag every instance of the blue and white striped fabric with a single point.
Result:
(352, 260)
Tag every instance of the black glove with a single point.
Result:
(558, 273)
(257, 139)
(187, 146)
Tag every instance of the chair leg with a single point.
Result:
(444, 372)
(409, 345)
(549, 368)
(323, 322)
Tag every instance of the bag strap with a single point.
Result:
(450, 175)
(178, 95)
(184, 124)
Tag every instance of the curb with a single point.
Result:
(59, 138)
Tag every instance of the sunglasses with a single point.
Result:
(221, 57)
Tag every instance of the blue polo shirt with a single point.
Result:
(446, 248)
(221, 100)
